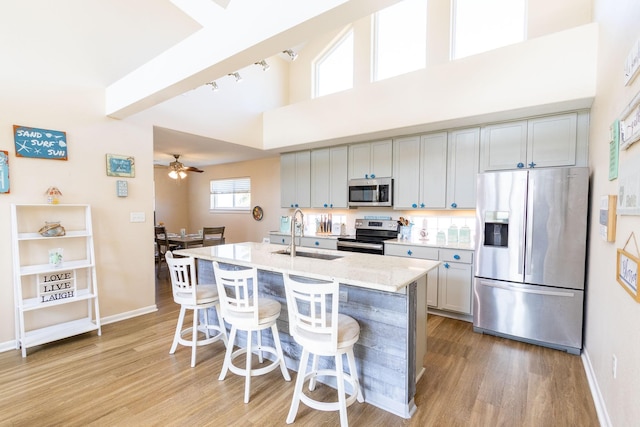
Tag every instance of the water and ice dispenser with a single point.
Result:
(496, 228)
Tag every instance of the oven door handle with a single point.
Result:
(375, 246)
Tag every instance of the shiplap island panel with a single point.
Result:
(386, 295)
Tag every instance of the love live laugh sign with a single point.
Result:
(56, 286)
(40, 143)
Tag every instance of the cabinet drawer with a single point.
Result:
(420, 252)
(314, 242)
(280, 239)
(453, 255)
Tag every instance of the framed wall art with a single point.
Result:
(121, 166)
(40, 143)
(4, 171)
(627, 269)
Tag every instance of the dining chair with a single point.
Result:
(317, 326)
(162, 246)
(244, 310)
(212, 236)
(192, 295)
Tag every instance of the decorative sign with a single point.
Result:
(614, 150)
(630, 127)
(56, 286)
(632, 63)
(627, 269)
(608, 218)
(40, 143)
(4, 172)
(122, 166)
(629, 186)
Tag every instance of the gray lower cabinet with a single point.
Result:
(307, 242)
(449, 288)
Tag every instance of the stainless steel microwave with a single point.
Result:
(371, 192)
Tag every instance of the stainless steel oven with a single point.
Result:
(370, 235)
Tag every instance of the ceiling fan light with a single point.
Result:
(173, 174)
(182, 174)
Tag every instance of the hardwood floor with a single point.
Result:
(126, 377)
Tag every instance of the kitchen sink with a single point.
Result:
(309, 254)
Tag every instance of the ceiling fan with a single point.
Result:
(177, 170)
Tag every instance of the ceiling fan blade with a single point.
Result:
(191, 169)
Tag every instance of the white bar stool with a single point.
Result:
(244, 310)
(193, 296)
(315, 324)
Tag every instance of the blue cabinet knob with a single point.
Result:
(291, 205)
(283, 240)
(366, 176)
(317, 243)
(409, 252)
(325, 205)
(415, 205)
(520, 165)
(295, 205)
(456, 256)
(422, 205)
(454, 205)
(446, 265)
(532, 165)
(373, 175)
(331, 205)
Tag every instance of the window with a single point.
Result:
(400, 39)
(334, 69)
(479, 26)
(231, 194)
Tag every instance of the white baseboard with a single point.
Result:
(11, 345)
(601, 407)
(128, 315)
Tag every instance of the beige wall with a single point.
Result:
(124, 250)
(612, 316)
(171, 200)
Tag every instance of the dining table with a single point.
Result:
(192, 240)
(189, 240)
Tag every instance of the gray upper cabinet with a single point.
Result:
(295, 180)
(559, 140)
(329, 177)
(371, 159)
(420, 164)
(463, 152)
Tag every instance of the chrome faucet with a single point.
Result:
(293, 230)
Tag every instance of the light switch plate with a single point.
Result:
(122, 189)
(136, 217)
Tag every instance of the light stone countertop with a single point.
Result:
(431, 244)
(390, 274)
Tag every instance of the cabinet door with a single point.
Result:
(406, 158)
(359, 160)
(295, 179)
(432, 288)
(433, 174)
(552, 141)
(463, 159)
(504, 146)
(338, 176)
(381, 158)
(320, 178)
(455, 283)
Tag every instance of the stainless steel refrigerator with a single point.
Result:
(530, 255)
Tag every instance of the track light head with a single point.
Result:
(263, 64)
(237, 76)
(214, 85)
(291, 54)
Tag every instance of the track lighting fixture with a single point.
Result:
(291, 54)
(237, 76)
(263, 64)
(214, 85)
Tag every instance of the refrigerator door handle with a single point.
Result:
(528, 291)
(528, 239)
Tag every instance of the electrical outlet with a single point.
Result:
(136, 217)
(343, 296)
(614, 366)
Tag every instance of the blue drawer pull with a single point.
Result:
(456, 256)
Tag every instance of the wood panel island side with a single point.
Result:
(386, 295)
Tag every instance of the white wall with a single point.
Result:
(612, 316)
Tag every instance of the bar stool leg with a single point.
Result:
(194, 339)
(344, 422)
(176, 337)
(227, 356)
(302, 372)
(276, 340)
(314, 369)
(247, 381)
(353, 371)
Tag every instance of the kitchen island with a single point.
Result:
(386, 295)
